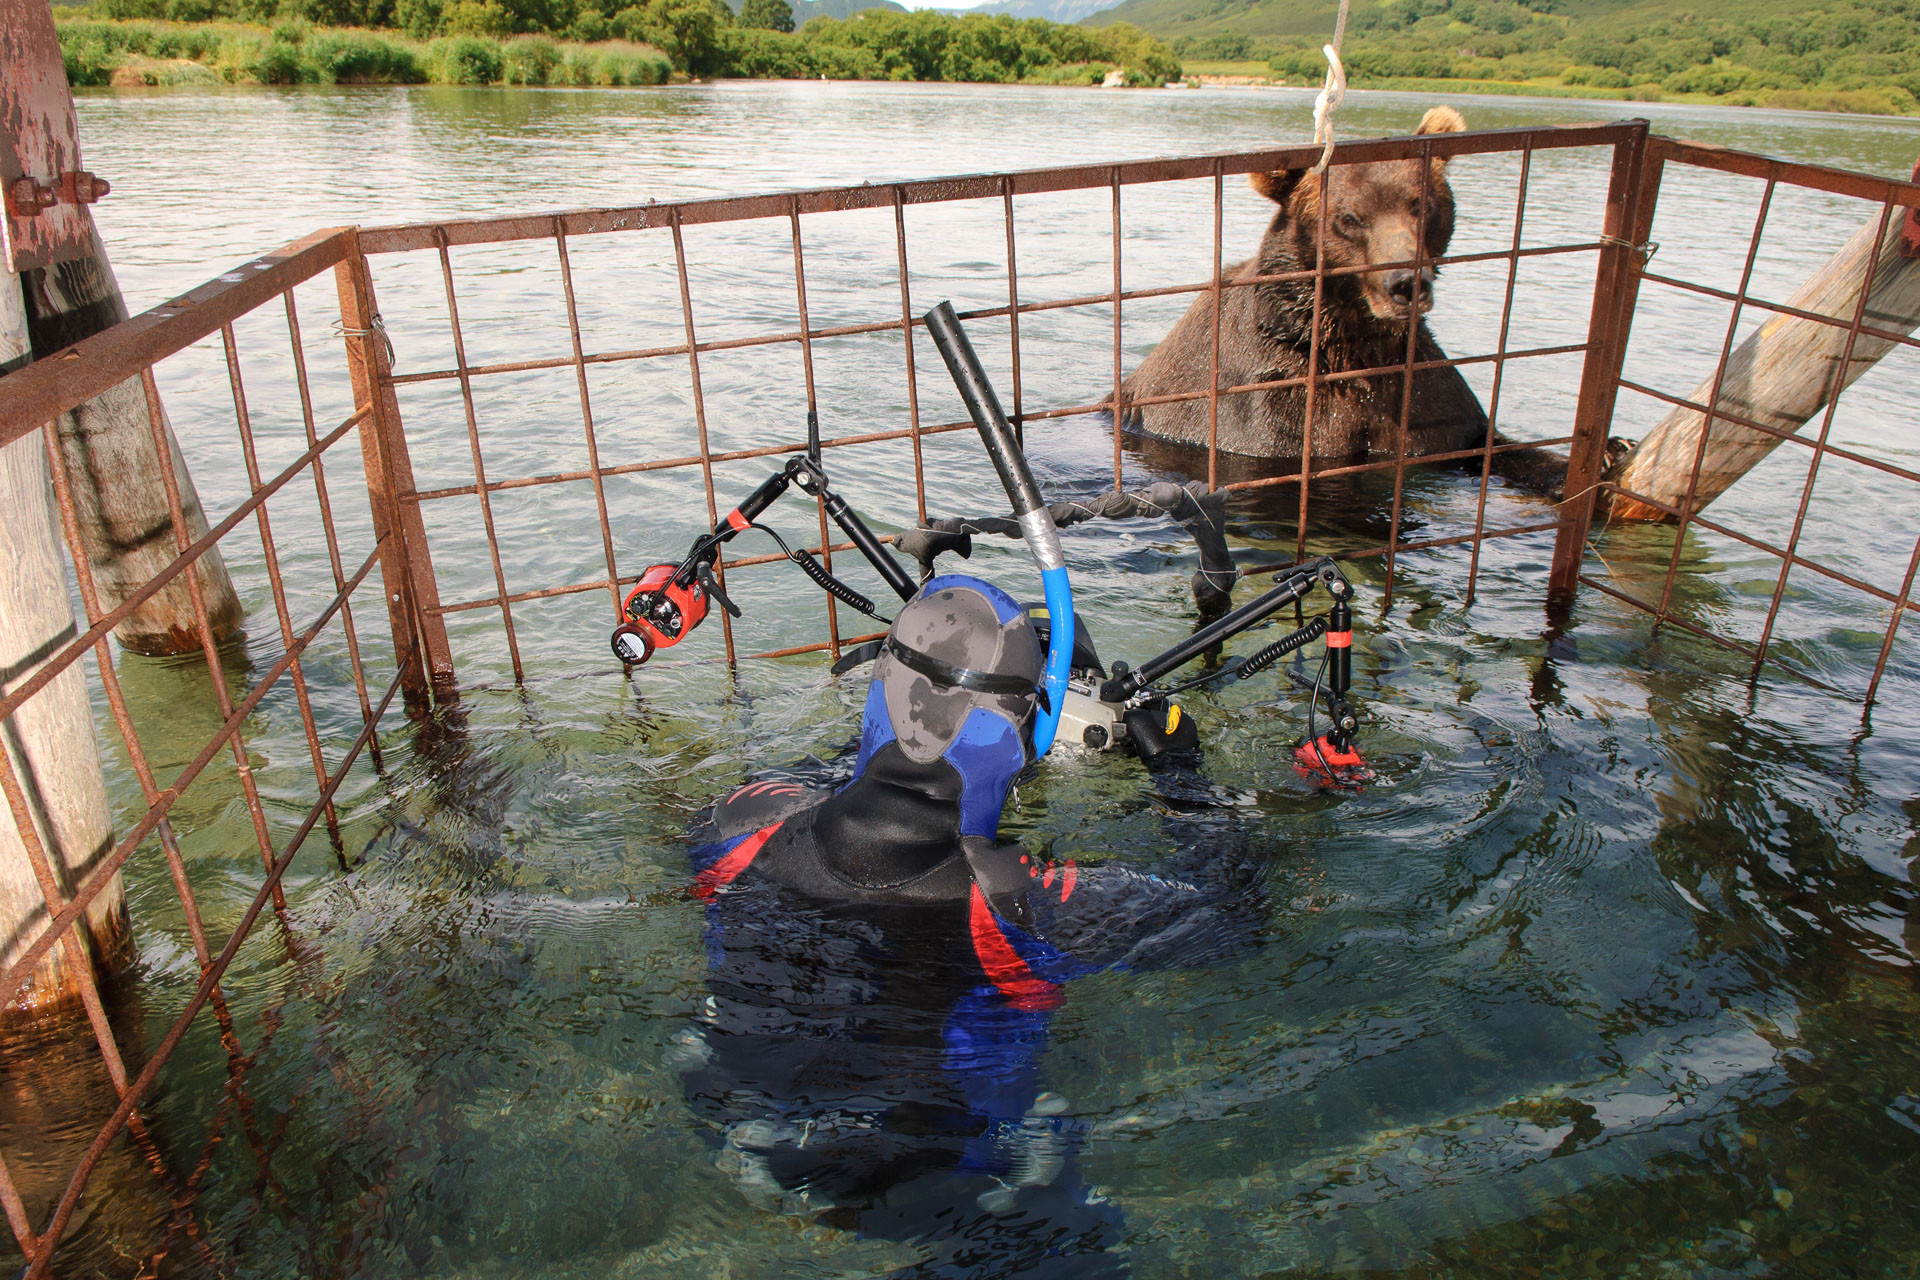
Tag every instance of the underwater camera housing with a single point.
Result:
(1125, 710)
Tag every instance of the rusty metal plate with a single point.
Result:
(39, 142)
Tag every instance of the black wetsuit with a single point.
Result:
(873, 1053)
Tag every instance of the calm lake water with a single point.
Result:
(1611, 974)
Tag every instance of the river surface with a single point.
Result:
(1610, 973)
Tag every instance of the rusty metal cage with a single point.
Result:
(435, 437)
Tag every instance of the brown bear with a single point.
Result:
(1372, 215)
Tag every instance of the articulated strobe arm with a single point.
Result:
(669, 601)
(1328, 757)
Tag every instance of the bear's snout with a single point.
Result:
(1409, 289)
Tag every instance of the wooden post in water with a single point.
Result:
(49, 741)
(112, 459)
(1781, 376)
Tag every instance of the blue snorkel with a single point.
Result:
(1036, 522)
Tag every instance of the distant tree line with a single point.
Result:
(697, 37)
(1863, 54)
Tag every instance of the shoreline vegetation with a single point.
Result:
(1860, 58)
(1829, 55)
(479, 42)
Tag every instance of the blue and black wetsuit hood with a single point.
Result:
(947, 727)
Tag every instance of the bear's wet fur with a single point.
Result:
(1374, 215)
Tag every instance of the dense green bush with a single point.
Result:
(466, 60)
(356, 57)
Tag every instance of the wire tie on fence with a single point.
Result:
(377, 329)
(1644, 251)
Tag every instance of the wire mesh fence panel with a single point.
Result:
(434, 457)
(1799, 489)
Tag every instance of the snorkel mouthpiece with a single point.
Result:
(1036, 522)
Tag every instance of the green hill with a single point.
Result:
(1861, 55)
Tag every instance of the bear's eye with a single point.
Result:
(1349, 222)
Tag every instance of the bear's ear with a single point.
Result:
(1278, 185)
(1441, 120)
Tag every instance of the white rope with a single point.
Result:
(1332, 94)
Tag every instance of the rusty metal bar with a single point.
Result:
(699, 410)
(1754, 424)
(813, 410)
(1725, 642)
(979, 313)
(53, 384)
(406, 567)
(276, 585)
(17, 1213)
(116, 697)
(1312, 380)
(326, 521)
(1818, 177)
(16, 976)
(216, 673)
(1761, 544)
(1013, 326)
(1893, 627)
(1425, 161)
(108, 621)
(1713, 400)
(1781, 308)
(1819, 447)
(1119, 386)
(130, 1096)
(1069, 411)
(694, 460)
(586, 415)
(1499, 372)
(1631, 191)
(906, 334)
(479, 465)
(1361, 468)
(1213, 366)
(823, 549)
(396, 239)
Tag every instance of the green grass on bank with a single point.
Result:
(294, 52)
(569, 43)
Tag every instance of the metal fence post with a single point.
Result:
(406, 566)
(1630, 198)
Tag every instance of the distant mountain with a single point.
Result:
(805, 11)
(1052, 10)
(1168, 18)
(1314, 19)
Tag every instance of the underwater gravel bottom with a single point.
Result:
(1609, 974)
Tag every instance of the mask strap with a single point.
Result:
(946, 673)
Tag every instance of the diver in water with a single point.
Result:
(883, 969)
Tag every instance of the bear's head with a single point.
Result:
(1374, 216)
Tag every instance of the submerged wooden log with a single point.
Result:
(49, 740)
(1781, 376)
(113, 465)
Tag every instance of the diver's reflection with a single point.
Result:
(883, 972)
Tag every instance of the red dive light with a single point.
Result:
(660, 611)
(1331, 765)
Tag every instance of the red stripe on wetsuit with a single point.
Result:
(1012, 975)
(728, 868)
